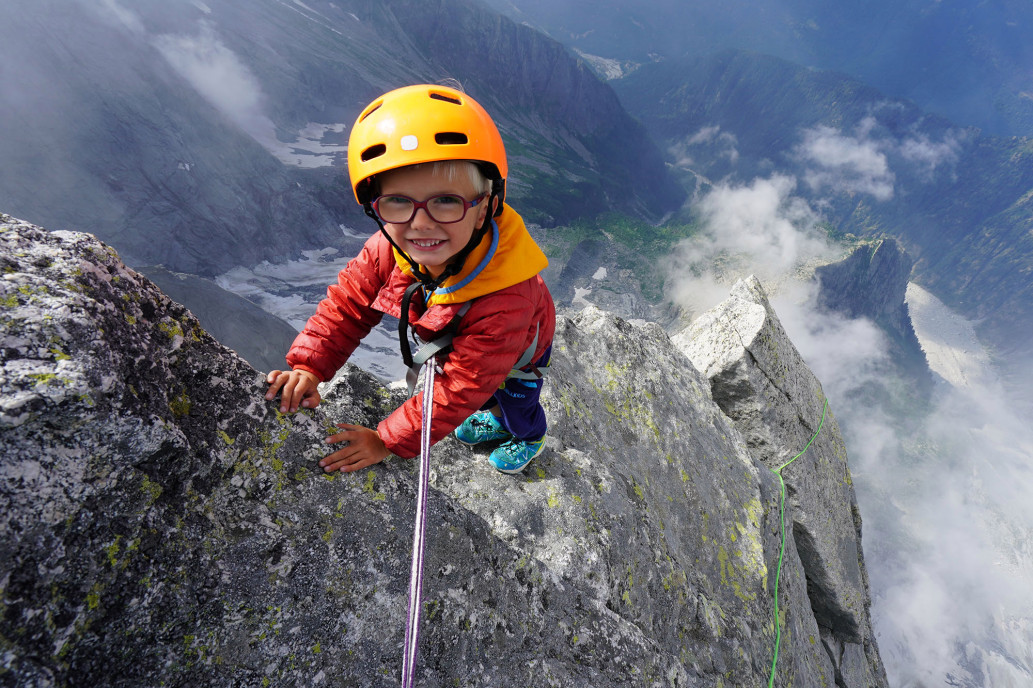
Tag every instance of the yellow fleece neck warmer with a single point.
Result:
(507, 255)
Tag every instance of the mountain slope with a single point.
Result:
(958, 200)
(965, 60)
(207, 135)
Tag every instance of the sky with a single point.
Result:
(947, 515)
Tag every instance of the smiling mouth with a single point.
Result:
(426, 243)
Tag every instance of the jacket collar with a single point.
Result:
(505, 256)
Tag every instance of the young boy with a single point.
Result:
(429, 167)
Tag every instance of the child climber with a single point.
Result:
(451, 258)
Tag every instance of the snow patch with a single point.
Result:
(950, 343)
(292, 290)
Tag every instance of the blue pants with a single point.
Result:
(522, 415)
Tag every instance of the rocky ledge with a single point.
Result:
(164, 525)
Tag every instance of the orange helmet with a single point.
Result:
(423, 123)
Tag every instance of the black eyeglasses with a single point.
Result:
(443, 208)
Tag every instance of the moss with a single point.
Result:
(369, 489)
(43, 378)
(93, 596)
(226, 438)
(173, 330)
(113, 550)
(152, 489)
(180, 405)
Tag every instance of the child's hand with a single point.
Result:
(300, 389)
(364, 448)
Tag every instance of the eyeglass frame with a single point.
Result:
(416, 205)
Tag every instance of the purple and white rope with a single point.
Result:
(412, 628)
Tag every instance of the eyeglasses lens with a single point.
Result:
(445, 209)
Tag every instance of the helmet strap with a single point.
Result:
(423, 278)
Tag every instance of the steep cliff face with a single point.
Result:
(163, 523)
(759, 380)
(872, 283)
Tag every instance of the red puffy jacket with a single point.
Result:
(510, 305)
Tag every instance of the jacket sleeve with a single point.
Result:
(345, 316)
(491, 338)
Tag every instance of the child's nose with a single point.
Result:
(422, 219)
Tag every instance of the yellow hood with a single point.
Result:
(507, 255)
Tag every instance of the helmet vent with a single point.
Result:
(451, 138)
(446, 98)
(371, 109)
(373, 152)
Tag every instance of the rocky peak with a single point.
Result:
(163, 524)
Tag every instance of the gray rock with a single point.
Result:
(164, 525)
(760, 381)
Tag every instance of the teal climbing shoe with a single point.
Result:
(482, 426)
(514, 455)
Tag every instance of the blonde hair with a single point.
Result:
(450, 170)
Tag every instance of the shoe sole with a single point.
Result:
(511, 471)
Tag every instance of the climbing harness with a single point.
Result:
(412, 627)
(441, 345)
(781, 553)
(430, 349)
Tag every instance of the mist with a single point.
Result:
(943, 491)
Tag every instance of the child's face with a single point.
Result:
(427, 242)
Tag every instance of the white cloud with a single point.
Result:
(718, 144)
(928, 155)
(851, 164)
(114, 13)
(761, 228)
(860, 163)
(222, 78)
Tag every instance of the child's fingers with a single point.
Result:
(275, 379)
(340, 460)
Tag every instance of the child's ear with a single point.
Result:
(494, 205)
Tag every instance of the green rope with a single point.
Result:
(781, 553)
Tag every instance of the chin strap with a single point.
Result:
(423, 278)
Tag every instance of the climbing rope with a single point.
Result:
(781, 553)
(412, 627)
